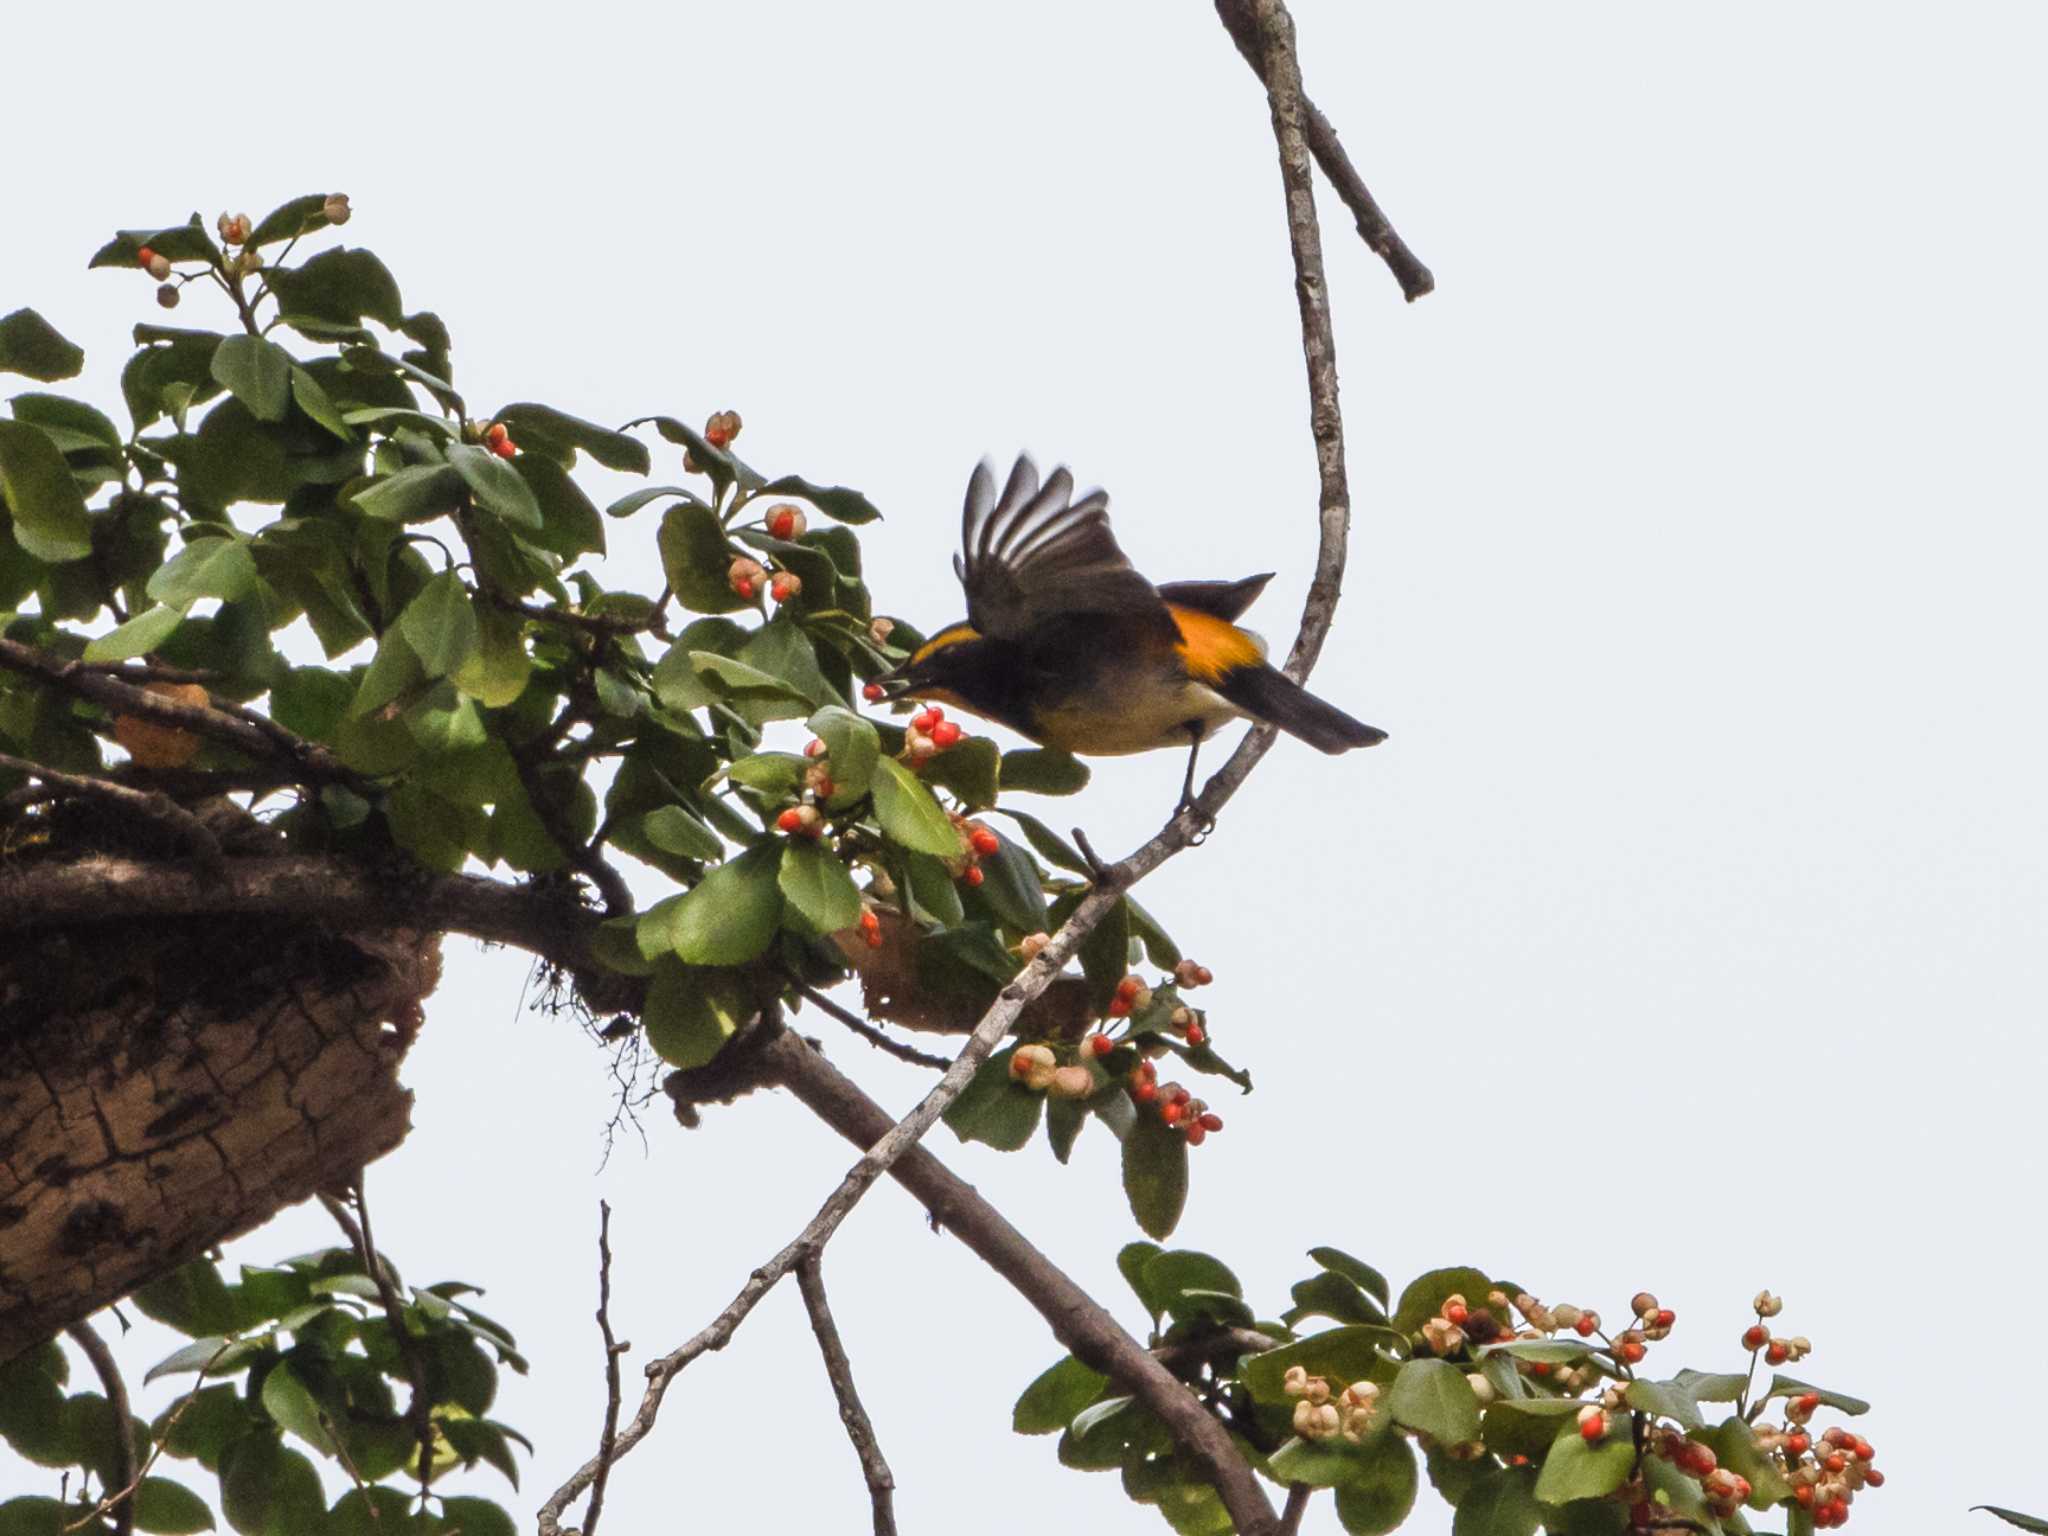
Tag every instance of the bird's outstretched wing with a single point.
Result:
(1034, 553)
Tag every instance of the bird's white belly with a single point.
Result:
(1135, 720)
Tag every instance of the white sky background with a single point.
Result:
(1687, 933)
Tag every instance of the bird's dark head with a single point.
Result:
(953, 667)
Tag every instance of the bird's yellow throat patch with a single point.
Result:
(1212, 648)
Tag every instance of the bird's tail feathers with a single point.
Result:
(1266, 694)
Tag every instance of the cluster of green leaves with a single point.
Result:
(298, 1358)
(1508, 1457)
(314, 468)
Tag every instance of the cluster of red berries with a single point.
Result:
(498, 439)
(1825, 1478)
(720, 428)
(1178, 1109)
(979, 841)
(928, 733)
(1757, 1337)
(870, 928)
(746, 576)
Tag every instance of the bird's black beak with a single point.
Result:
(896, 685)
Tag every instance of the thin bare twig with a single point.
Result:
(420, 1411)
(612, 1350)
(872, 1035)
(127, 1490)
(125, 1475)
(860, 1429)
(1245, 1501)
(1298, 1495)
(1415, 279)
(151, 807)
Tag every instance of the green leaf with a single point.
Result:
(1712, 1386)
(1064, 1122)
(496, 485)
(440, 625)
(2014, 1517)
(192, 1299)
(34, 1515)
(287, 1399)
(910, 817)
(1044, 771)
(674, 830)
(267, 1490)
(300, 216)
(31, 346)
(1548, 1351)
(1050, 1403)
(205, 567)
(73, 424)
(933, 896)
(257, 372)
(835, 501)
(318, 405)
(1131, 1260)
(178, 242)
(1382, 1490)
(416, 494)
(374, 1511)
(138, 637)
(1791, 1386)
(1526, 1426)
(570, 523)
(1170, 1275)
(730, 916)
(1155, 1161)
(189, 1357)
(817, 887)
(1333, 1296)
(1426, 1294)
(1578, 1469)
(1106, 953)
(49, 513)
(1111, 1432)
(852, 747)
(968, 768)
(165, 1508)
(1503, 1503)
(690, 1013)
(1013, 889)
(1434, 1397)
(1159, 947)
(1340, 1355)
(473, 1517)
(1315, 1463)
(1337, 1261)
(33, 1421)
(1049, 845)
(995, 1108)
(338, 288)
(541, 423)
(496, 672)
(1665, 1399)
(1735, 1446)
(695, 557)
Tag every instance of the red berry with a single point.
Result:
(1755, 1336)
(1101, 1045)
(1196, 1135)
(924, 720)
(945, 734)
(1196, 1034)
(504, 448)
(1803, 1495)
(144, 256)
(1835, 1462)
(873, 692)
(1129, 988)
(497, 433)
(1583, 1327)
(1181, 1096)
(790, 820)
(1118, 1007)
(1632, 1352)
(1778, 1353)
(984, 842)
(1212, 1122)
(1457, 1312)
(1874, 1477)
(1539, 1367)
(1666, 1317)
(1808, 1401)
(1863, 1449)
(785, 522)
(869, 921)
(973, 875)
(1144, 1092)
(1170, 1113)
(785, 586)
(1798, 1443)
(1594, 1428)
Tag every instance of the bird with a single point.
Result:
(1066, 643)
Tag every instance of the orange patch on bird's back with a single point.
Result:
(1212, 648)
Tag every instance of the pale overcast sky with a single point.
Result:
(1688, 933)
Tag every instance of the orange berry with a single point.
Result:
(1778, 1352)
(1196, 1034)
(1171, 1113)
(1755, 1336)
(1101, 1045)
(1632, 1352)
(1457, 1312)
(1586, 1326)
(945, 734)
(785, 586)
(1144, 1091)
(1118, 1007)
(873, 692)
(789, 821)
(504, 448)
(1128, 988)
(983, 841)
(785, 521)
(1665, 1317)
(497, 432)
(973, 875)
(874, 940)
(869, 920)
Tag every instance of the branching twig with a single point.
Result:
(1298, 1495)
(232, 726)
(420, 1411)
(127, 1490)
(125, 1476)
(608, 1437)
(152, 807)
(582, 857)
(1415, 279)
(872, 1035)
(860, 1428)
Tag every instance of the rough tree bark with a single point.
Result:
(169, 1085)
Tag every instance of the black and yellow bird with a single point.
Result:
(1067, 644)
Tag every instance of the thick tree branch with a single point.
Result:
(1298, 1495)
(1415, 279)
(109, 1373)
(860, 1429)
(245, 730)
(1077, 1320)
